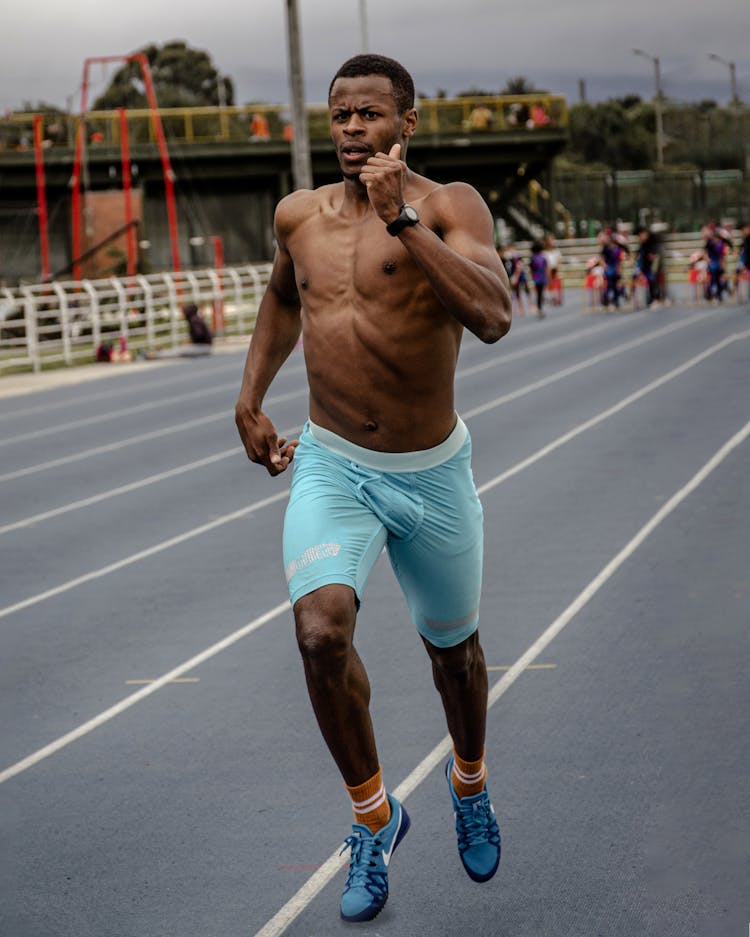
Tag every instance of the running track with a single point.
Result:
(162, 774)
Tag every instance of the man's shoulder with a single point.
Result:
(449, 193)
(298, 206)
(455, 204)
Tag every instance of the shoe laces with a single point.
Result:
(476, 824)
(364, 871)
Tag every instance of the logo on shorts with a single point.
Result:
(320, 551)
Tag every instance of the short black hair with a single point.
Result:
(401, 80)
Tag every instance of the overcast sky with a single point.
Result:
(451, 45)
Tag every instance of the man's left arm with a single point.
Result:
(461, 262)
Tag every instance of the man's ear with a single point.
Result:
(409, 122)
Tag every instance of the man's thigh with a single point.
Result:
(440, 570)
(329, 536)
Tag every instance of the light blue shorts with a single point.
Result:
(347, 503)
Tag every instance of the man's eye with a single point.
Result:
(340, 117)
(371, 115)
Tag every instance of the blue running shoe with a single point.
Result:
(477, 831)
(366, 889)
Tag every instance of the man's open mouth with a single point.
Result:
(355, 151)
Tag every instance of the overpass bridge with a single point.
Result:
(233, 164)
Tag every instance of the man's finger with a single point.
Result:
(395, 151)
(273, 449)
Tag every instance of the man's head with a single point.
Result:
(371, 104)
(361, 66)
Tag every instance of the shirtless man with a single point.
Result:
(381, 273)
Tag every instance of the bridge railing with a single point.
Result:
(64, 323)
(271, 123)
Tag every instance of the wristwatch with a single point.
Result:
(406, 218)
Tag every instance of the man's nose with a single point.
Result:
(354, 125)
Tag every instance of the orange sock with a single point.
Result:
(468, 777)
(370, 802)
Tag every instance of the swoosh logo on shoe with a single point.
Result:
(387, 855)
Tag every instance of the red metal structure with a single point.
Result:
(141, 59)
(126, 187)
(41, 197)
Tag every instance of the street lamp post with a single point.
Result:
(301, 164)
(658, 102)
(732, 75)
(363, 39)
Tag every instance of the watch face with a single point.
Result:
(411, 213)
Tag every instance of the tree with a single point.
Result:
(182, 76)
(611, 133)
(519, 84)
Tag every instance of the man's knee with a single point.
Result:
(460, 661)
(324, 622)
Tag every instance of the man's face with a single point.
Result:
(365, 120)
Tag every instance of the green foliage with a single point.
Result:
(612, 133)
(182, 76)
(519, 84)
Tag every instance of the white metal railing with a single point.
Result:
(64, 323)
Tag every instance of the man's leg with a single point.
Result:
(460, 676)
(336, 679)
(340, 695)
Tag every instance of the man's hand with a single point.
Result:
(383, 177)
(261, 443)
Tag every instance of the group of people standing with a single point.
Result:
(708, 274)
(543, 269)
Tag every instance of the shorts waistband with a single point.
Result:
(417, 461)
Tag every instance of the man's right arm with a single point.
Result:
(277, 329)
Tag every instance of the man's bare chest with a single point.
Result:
(341, 259)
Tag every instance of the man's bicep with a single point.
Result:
(467, 227)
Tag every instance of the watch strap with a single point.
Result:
(404, 219)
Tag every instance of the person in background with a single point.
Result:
(538, 271)
(554, 259)
(742, 273)
(612, 254)
(717, 246)
(519, 281)
(647, 263)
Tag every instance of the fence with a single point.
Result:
(47, 325)
(262, 122)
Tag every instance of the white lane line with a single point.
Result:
(112, 446)
(499, 361)
(146, 386)
(132, 486)
(576, 368)
(610, 411)
(497, 402)
(141, 555)
(498, 479)
(123, 411)
(315, 884)
(121, 490)
(76, 733)
(141, 694)
(143, 437)
(95, 394)
(179, 427)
